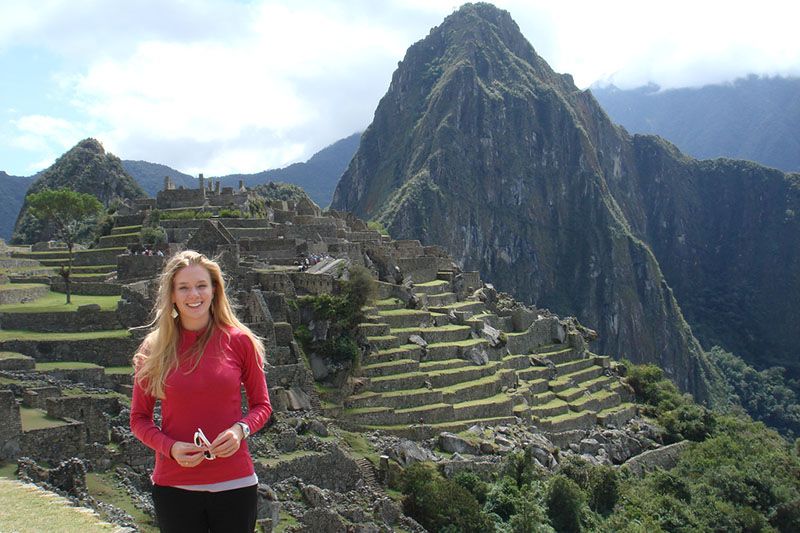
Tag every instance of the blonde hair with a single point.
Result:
(157, 356)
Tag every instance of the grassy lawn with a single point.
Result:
(12, 355)
(19, 335)
(37, 419)
(8, 470)
(119, 370)
(64, 365)
(20, 286)
(103, 487)
(27, 508)
(53, 302)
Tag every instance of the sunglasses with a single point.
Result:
(200, 440)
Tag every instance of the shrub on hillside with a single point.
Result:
(565, 501)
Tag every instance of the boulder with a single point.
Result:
(419, 341)
(492, 335)
(452, 443)
(477, 355)
(408, 452)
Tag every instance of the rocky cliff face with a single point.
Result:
(85, 168)
(480, 147)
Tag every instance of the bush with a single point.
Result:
(230, 213)
(690, 421)
(475, 485)
(564, 503)
(502, 498)
(153, 236)
(439, 504)
(603, 489)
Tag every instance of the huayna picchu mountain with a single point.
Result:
(85, 168)
(481, 147)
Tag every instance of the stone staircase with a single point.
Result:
(455, 378)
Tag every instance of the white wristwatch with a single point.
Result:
(245, 429)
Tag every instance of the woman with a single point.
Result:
(195, 360)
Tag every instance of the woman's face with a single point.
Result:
(192, 294)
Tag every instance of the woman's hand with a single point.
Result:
(187, 454)
(228, 442)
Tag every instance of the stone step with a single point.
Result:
(552, 408)
(432, 366)
(571, 394)
(516, 362)
(399, 366)
(569, 421)
(573, 366)
(120, 239)
(428, 414)
(599, 383)
(406, 351)
(389, 303)
(476, 389)
(596, 402)
(496, 406)
(370, 329)
(383, 342)
(432, 287)
(557, 353)
(535, 373)
(469, 307)
(561, 383)
(536, 386)
(617, 416)
(411, 380)
(427, 431)
(541, 398)
(449, 377)
(436, 334)
(585, 375)
(441, 299)
(126, 229)
(405, 318)
(450, 350)
(395, 400)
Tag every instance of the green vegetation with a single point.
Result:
(769, 395)
(65, 365)
(377, 226)
(67, 212)
(53, 302)
(20, 335)
(183, 214)
(27, 508)
(344, 313)
(737, 476)
(37, 419)
(103, 487)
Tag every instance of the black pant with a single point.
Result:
(189, 511)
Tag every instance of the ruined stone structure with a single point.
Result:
(210, 196)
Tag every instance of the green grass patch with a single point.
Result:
(19, 286)
(54, 302)
(388, 363)
(359, 446)
(8, 470)
(9, 381)
(64, 365)
(402, 312)
(12, 355)
(127, 228)
(103, 487)
(37, 419)
(119, 370)
(272, 461)
(467, 384)
(20, 335)
(434, 283)
(462, 344)
(286, 522)
(27, 508)
(497, 398)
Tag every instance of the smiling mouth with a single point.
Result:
(193, 306)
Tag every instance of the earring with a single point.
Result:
(174, 312)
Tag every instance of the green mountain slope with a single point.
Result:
(85, 168)
(13, 194)
(480, 147)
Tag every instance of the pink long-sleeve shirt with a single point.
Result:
(209, 398)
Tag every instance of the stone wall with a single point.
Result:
(88, 288)
(54, 444)
(85, 409)
(10, 426)
(37, 396)
(104, 352)
(15, 295)
(133, 267)
(180, 198)
(99, 256)
(312, 283)
(419, 269)
(276, 282)
(333, 470)
(85, 320)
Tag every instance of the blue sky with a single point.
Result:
(218, 86)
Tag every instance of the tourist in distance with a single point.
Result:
(195, 359)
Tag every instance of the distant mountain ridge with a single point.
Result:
(85, 168)
(480, 147)
(317, 176)
(14, 188)
(753, 118)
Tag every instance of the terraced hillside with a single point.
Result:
(437, 369)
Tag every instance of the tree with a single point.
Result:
(66, 210)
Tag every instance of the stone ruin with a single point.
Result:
(442, 352)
